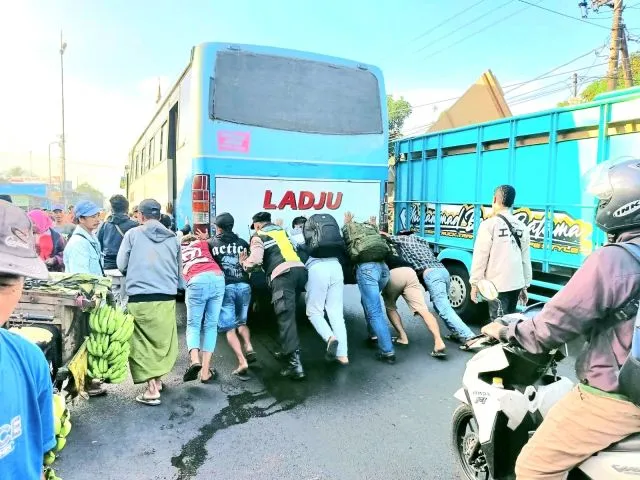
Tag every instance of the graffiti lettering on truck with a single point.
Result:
(570, 235)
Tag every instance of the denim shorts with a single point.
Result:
(235, 307)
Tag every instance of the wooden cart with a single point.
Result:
(63, 316)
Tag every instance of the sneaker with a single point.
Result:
(389, 358)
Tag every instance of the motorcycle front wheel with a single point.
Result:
(466, 444)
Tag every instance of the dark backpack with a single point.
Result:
(629, 375)
(364, 243)
(322, 236)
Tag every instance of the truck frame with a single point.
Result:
(444, 184)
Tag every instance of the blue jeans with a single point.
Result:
(372, 277)
(235, 307)
(438, 282)
(204, 297)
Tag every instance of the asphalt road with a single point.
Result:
(366, 421)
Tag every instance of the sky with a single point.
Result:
(118, 50)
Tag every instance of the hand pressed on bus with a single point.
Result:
(202, 235)
(348, 217)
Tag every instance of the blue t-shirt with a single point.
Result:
(26, 408)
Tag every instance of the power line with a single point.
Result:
(566, 72)
(477, 32)
(595, 50)
(465, 25)
(444, 22)
(564, 15)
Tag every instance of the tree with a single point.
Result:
(16, 172)
(84, 191)
(597, 87)
(399, 110)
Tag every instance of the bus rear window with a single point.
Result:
(295, 95)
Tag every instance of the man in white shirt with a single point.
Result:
(501, 255)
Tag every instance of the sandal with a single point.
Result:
(395, 341)
(241, 374)
(213, 375)
(148, 401)
(332, 350)
(251, 356)
(192, 372)
(470, 344)
(440, 354)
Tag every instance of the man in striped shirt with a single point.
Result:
(417, 251)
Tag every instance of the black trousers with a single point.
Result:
(508, 301)
(285, 291)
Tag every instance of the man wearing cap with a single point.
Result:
(110, 237)
(286, 277)
(83, 253)
(149, 257)
(26, 416)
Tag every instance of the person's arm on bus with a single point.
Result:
(122, 260)
(255, 257)
(480, 260)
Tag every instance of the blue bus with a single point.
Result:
(445, 183)
(249, 128)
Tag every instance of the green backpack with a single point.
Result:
(364, 243)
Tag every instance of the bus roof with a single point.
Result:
(260, 49)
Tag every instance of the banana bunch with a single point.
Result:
(108, 344)
(50, 474)
(61, 428)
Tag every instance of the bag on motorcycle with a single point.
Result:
(629, 376)
(322, 236)
(364, 243)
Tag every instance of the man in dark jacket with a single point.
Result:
(110, 237)
(286, 277)
(598, 302)
(226, 248)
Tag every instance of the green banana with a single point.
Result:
(111, 324)
(109, 351)
(105, 344)
(119, 320)
(103, 319)
(115, 348)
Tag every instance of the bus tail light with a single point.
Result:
(200, 203)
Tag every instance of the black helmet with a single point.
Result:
(616, 185)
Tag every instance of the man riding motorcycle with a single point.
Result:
(599, 302)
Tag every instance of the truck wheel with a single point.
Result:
(460, 294)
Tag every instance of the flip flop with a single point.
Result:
(241, 374)
(441, 354)
(192, 372)
(148, 401)
(395, 341)
(332, 350)
(251, 356)
(214, 375)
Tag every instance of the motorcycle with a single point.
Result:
(505, 396)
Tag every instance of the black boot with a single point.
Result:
(293, 370)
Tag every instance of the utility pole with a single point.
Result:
(614, 50)
(574, 84)
(626, 62)
(63, 152)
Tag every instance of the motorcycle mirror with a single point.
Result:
(487, 290)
